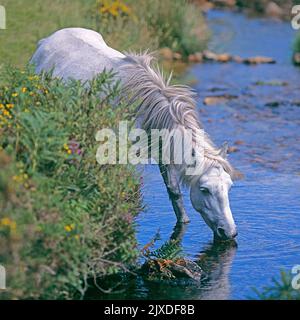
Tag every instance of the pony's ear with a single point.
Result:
(224, 150)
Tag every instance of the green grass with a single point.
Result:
(30, 20)
(151, 24)
(297, 43)
(177, 24)
(64, 219)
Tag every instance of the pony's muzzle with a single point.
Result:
(222, 234)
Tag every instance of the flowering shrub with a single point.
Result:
(136, 25)
(64, 219)
(113, 7)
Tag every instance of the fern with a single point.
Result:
(170, 250)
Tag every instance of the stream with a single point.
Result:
(262, 123)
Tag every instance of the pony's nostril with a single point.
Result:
(235, 234)
(222, 233)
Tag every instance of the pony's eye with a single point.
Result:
(204, 190)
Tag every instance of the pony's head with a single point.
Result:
(209, 196)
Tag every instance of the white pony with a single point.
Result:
(82, 54)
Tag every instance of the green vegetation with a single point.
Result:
(280, 289)
(64, 219)
(30, 20)
(125, 25)
(176, 24)
(297, 43)
(169, 250)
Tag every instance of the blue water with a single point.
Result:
(266, 204)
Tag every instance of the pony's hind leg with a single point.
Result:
(170, 179)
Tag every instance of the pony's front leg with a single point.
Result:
(170, 179)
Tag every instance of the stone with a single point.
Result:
(239, 142)
(177, 56)
(233, 149)
(166, 53)
(273, 10)
(224, 57)
(209, 55)
(213, 100)
(238, 59)
(258, 60)
(195, 57)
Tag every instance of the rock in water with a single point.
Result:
(273, 10)
(259, 59)
(195, 57)
(166, 53)
(218, 99)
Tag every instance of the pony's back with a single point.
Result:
(75, 53)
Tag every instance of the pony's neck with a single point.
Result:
(164, 106)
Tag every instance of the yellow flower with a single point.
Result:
(68, 228)
(6, 113)
(5, 221)
(69, 151)
(15, 94)
(24, 90)
(76, 236)
(9, 105)
(30, 78)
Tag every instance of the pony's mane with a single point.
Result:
(165, 106)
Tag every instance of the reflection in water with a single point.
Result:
(215, 260)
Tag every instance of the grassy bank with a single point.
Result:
(64, 219)
(30, 20)
(125, 25)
